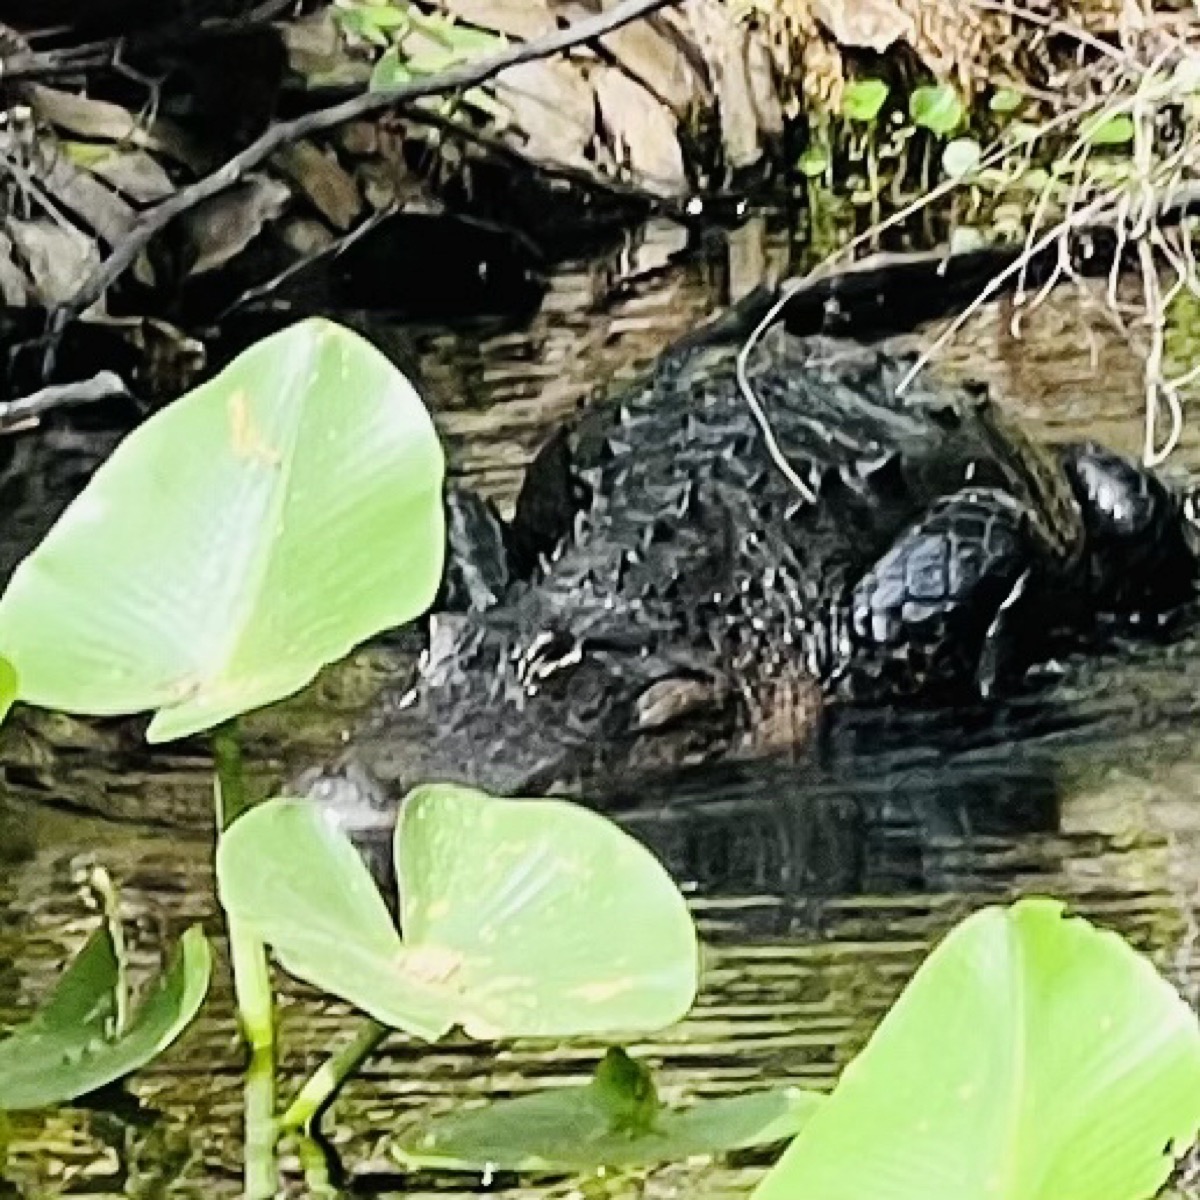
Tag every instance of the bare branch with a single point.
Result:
(27, 410)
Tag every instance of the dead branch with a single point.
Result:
(27, 410)
(283, 133)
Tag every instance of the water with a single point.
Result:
(818, 886)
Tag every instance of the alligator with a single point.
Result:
(743, 537)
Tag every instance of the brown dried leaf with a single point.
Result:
(722, 40)
(523, 19)
(553, 106)
(101, 120)
(870, 24)
(14, 288)
(318, 54)
(652, 53)
(222, 228)
(764, 87)
(133, 173)
(641, 132)
(330, 189)
(97, 206)
(56, 256)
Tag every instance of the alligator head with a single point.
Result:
(516, 713)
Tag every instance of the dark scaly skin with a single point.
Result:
(690, 602)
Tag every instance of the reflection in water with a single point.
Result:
(819, 883)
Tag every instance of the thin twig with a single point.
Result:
(283, 133)
(755, 405)
(997, 283)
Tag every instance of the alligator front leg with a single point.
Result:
(479, 567)
(946, 610)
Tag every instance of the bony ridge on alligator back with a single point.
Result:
(664, 595)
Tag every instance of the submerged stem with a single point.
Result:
(322, 1087)
(230, 775)
(318, 1175)
(252, 987)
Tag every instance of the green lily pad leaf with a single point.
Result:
(238, 541)
(496, 897)
(73, 1045)
(1116, 130)
(1032, 1057)
(936, 108)
(9, 687)
(863, 99)
(285, 870)
(961, 157)
(542, 916)
(572, 1129)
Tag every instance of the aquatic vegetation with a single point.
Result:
(291, 508)
(86, 1035)
(244, 537)
(520, 918)
(9, 686)
(614, 1120)
(1032, 1057)
(231, 547)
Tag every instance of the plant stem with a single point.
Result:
(306, 1110)
(317, 1176)
(252, 984)
(231, 778)
(252, 987)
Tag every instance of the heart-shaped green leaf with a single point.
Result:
(521, 917)
(937, 108)
(238, 541)
(286, 870)
(864, 99)
(1032, 1057)
(572, 1129)
(72, 1046)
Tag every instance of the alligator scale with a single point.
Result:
(667, 593)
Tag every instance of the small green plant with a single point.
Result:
(87, 1033)
(863, 100)
(409, 42)
(616, 1120)
(1032, 1057)
(938, 108)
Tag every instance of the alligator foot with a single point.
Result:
(479, 565)
(945, 610)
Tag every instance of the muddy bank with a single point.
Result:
(169, 170)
